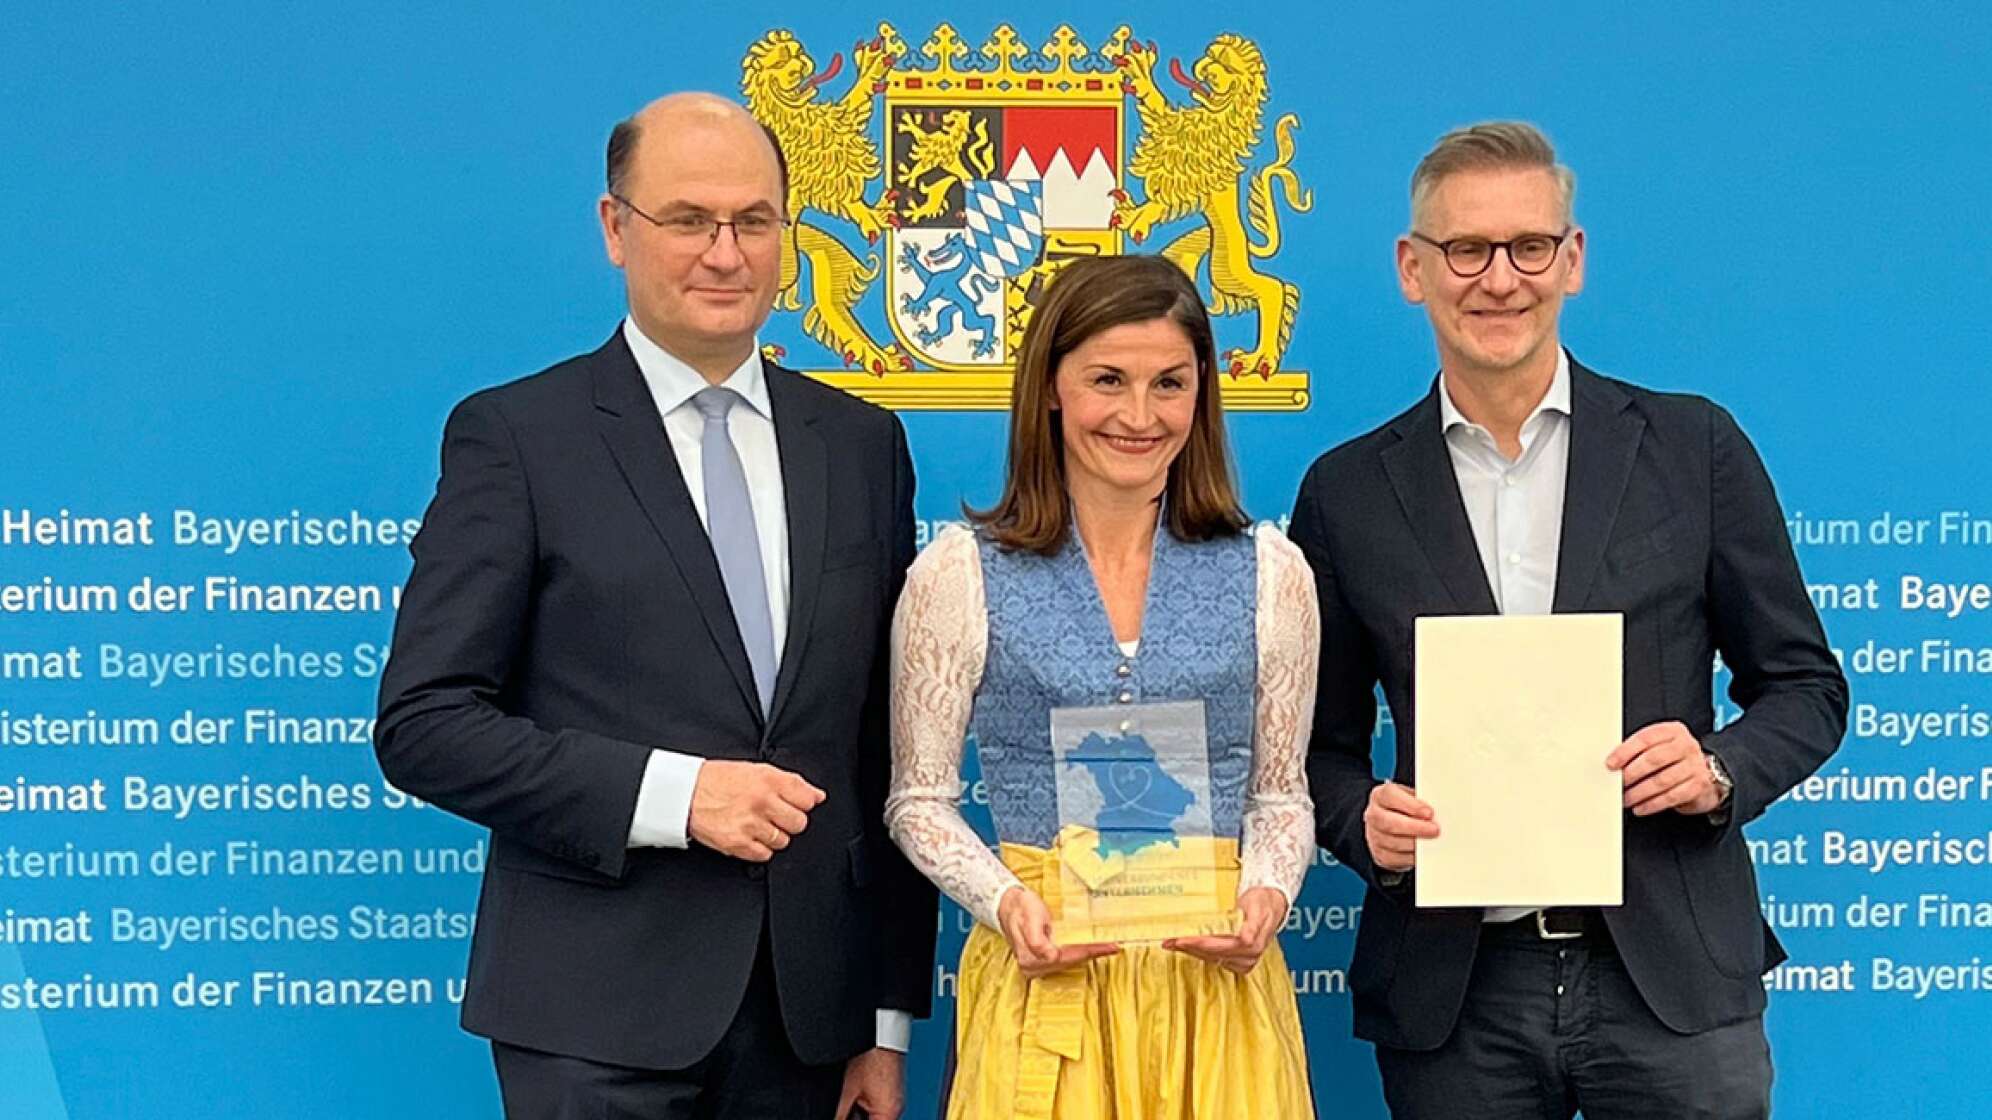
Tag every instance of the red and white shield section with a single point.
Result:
(1074, 151)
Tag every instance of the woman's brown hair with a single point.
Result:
(1089, 296)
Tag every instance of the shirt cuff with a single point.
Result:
(664, 801)
(895, 1030)
(992, 907)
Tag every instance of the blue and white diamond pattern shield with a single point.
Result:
(1005, 222)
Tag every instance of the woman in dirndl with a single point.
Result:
(1117, 571)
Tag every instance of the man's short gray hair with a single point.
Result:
(1491, 146)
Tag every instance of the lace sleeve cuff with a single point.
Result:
(1278, 840)
(939, 639)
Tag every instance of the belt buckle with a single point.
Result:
(1543, 931)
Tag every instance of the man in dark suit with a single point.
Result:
(1524, 483)
(645, 644)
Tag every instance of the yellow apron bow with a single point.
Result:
(1055, 1008)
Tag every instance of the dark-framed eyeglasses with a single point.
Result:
(699, 229)
(1531, 254)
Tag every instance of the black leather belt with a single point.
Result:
(1555, 923)
(1563, 923)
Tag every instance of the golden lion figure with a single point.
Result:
(831, 159)
(1192, 160)
(942, 150)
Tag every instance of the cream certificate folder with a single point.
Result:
(1516, 714)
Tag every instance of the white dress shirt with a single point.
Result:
(664, 799)
(1515, 507)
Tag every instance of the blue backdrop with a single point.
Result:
(254, 252)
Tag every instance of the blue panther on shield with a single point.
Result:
(950, 287)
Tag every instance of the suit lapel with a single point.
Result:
(1604, 441)
(805, 485)
(627, 418)
(1421, 472)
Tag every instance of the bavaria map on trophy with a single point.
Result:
(1136, 857)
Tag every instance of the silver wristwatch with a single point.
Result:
(1717, 772)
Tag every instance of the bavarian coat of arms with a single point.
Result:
(932, 201)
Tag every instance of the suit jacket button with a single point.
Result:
(767, 753)
(757, 871)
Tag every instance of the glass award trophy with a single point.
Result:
(1135, 854)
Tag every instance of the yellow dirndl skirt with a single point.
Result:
(1145, 1034)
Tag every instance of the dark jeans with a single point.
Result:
(1552, 1028)
(753, 1074)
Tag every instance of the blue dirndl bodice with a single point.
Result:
(1051, 646)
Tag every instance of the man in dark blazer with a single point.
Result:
(645, 644)
(1525, 483)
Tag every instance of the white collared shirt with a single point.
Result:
(672, 386)
(1515, 508)
(664, 799)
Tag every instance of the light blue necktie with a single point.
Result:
(735, 541)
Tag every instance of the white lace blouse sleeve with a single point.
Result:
(940, 635)
(1278, 835)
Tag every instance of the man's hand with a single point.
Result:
(1026, 923)
(1264, 909)
(1664, 768)
(876, 1082)
(749, 810)
(1393, 823)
